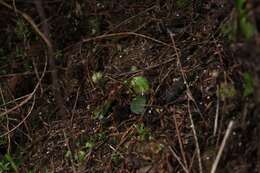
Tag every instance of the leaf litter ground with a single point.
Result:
(176, 46)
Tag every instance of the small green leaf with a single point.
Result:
(89, 145)
(247, 28)
(94, 24)
(134, 68)
(143, 132)
(68, 154)
(140, 84)
(227, 90)
(81, 155)
(248, 84)
(138, 105)
(97, 76)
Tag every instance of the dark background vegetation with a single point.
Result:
(129, 86)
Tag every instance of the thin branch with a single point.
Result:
(74, 106)
(54, 75)
(125, 34)
(20, 123)
(179, 160)
(190, 97)
(30, 21)
(29, 96)
(179, 140)
(21, 74)
(128, 20)
(222, 146)
(71, 154)
(7, 122)
(217, 114)
(37, 73)
(45, 37)
(195, 138)
(14, 100)
(184, 77)
(119, 34)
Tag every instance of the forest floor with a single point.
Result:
(69, 102)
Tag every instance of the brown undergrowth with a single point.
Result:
(196, 88)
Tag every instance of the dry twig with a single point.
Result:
(69, 149)
(119, 34)
(29, 96)
(46, 38)
(190, 97)
(7, 121)
(74, 106)
(217, 114)
(50, 49)
(179, 140)
(222, 146)
(23, 120)
(179, 160)
(195, 138)
(30, 21)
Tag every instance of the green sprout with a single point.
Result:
(140, 85)
(143, 132)
(97, 77)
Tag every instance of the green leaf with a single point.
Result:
(143, 132)
(247, 28)
(140, 84)
(81, 155)
(134, 68)
(230, 29)
(138, 105)
(68, 154)
(89, 145)
(11, 161)
(248, 84)
(97, 77)
(240, 4)
(227, 90)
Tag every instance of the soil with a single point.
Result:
(56, 118)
